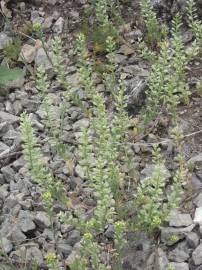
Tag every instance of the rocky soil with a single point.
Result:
(24, 225)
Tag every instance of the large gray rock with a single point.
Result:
(178, 219)
(178, 255)
(198, 216)
(25, 221)
(33, 254)
(16, 236)
(6, 245)
(4, 40)
(42, 220)
(197, 255)
(180, 266)
(170, 235)
(192, 239)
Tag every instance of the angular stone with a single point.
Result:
(4, 116)
(198, 200)
(162, 261)
(58, 26)
(179, 266)
(178, 255)
(4, 40)
(64, 248)
(28, 52)
(42, 220)
(6, 245)
(16, 236)
(192, 239)
(197, 255)
(74, 237)
(171, 235)
(180, 220)
(34, 254)
(198, 216)
(25, 221)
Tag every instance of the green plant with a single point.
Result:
(7, 75)
(167, 80)
(152, 210)
(12, 50)
(154, 31)
(52, 261)
(194, 23)
(55, 130)
(38, 168)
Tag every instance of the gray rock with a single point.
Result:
(73, 237)
(178, 255)
(58, 26)
(79, 171)
(16, 236)
(8, 173)
(7, 117)
(197, 255)
(34, 254)
(178, 219)
(198, 200)
(42, 220)
(179, 266)
(4, 126)
(170, 235)
(109, 233)
(28, 52)
(48, 234)
(25, 221)
(162, 261)
(196, 159)
(4, 40)
(82, 123)
(41, 59)
(4, 191)
(3, 147)
(198, 216)
(140, 245)
(6, 245)
(192, 239)
(64, 248)
(149, 169)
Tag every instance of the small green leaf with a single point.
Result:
(7, 74)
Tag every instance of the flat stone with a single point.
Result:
(82, 123)
(25, 221)
(198, 216)
(34, 254)
(178, 219)
(28, 52)
(16, 236)
(192, 239)
(73, 237)
(41, 59)
(170, 235)
(4, 40)
(178, 255)
(197, 255)
(6, 245)
(58, 26)
(179, 266)
(7, 117)
(198, 200)
(162, 261)
(64, 248)
(196, 159)
(42, 220)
